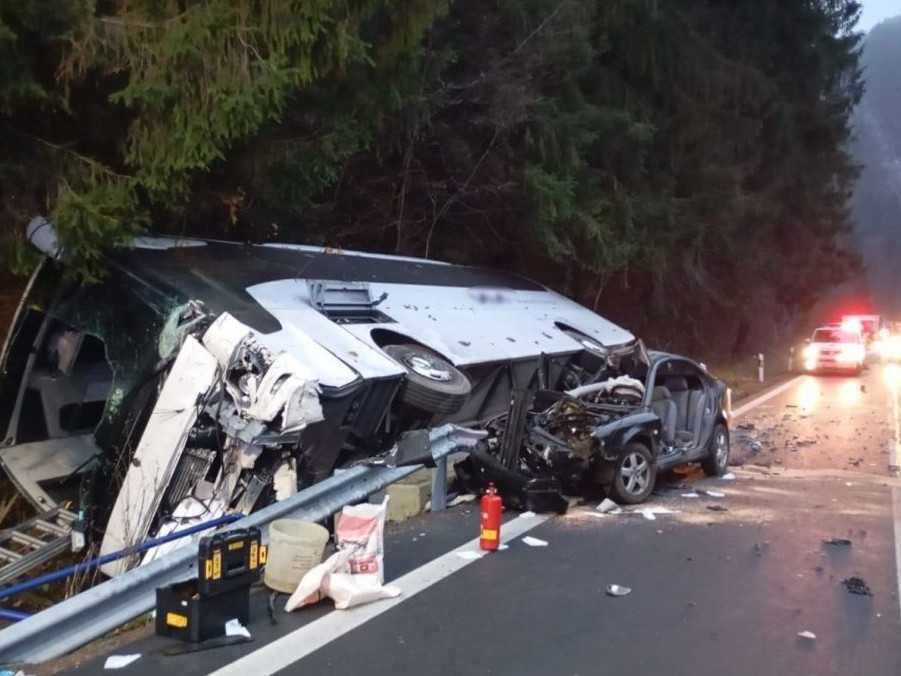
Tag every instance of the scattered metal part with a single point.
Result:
(838, 542)
(857, 585)
(807, 635)
(717, 508)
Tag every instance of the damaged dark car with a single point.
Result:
(640, 414)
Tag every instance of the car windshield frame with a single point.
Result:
(834, 336)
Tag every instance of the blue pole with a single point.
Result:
(106, 558)
(13, 615)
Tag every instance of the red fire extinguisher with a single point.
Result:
(492, 505)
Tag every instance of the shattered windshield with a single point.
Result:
(117, 312)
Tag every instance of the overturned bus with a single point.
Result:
(205, 377)
(200, 378)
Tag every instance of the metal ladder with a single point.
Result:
(36, 541)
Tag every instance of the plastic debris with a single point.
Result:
(690, 495)
(235, 628)
(618, 590)
(837, 542)
(120, 661)
(728, 477)
(461, 499)
(528, 515)
(714, 494)
(650, 513)
(534, 542)
(470, 555)
(607, 506)
(856, 585)
(808, 635)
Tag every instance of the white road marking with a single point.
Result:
(298, 644)
(896, 493)
(896, 427)
(766, 396)
(896, 513)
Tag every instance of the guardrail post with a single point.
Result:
(439, 485)
(791, 359)
(760, 367)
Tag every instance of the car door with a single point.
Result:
(690, 389)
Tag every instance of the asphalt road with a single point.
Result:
(713, 592)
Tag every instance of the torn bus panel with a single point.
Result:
(159, 450)
(231, 393)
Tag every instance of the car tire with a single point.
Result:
(433, 384)
(716, 462)
(627, 487)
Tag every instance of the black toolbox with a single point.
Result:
(196, 610)
(229, 560)
(183, 613)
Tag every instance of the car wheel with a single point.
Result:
(433, 384)
(634, 475)
(717, 460)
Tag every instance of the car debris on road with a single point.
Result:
(120, 661)
(856, 585)
(534, 542)
(618, 590)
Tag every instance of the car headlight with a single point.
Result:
(810, 352)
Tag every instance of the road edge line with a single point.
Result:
(766, 396)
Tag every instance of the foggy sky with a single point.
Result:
(875, 11)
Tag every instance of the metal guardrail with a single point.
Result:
(95, 612)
